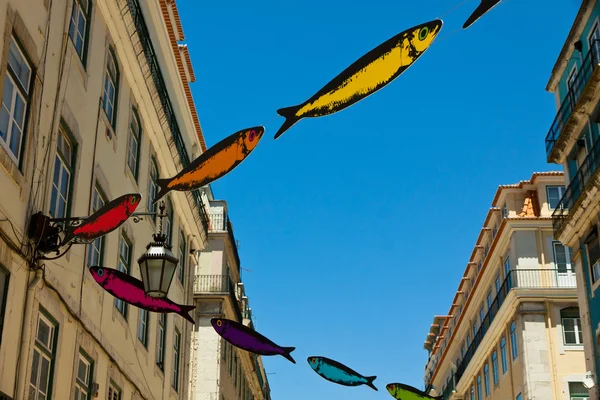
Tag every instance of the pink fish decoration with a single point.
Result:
(130, 290)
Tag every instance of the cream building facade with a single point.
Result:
(219, 370)
(96, 103)
(513, 330)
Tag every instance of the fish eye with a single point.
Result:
(423, 33)
(219, 322)
(252, 135)
(133, 200)
(100, 272)
(313, 360)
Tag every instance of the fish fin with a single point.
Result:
(163, 189)
(287, 351)
(289, 113)
(185, 313)
(370, 380)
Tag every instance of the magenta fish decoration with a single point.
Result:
(130, 290)
(248, 339)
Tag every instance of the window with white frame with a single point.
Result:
(133, 147)
(63, 175)
(176, 360)
(562, 257)
(124, 266)
(42, 361)
(152, 185)
(514, 346)
(577, 391)
(96, 248)
(114, 392)
(83, 379)
(142, 328)
(571, 324)
(15, 101)
(78, 28)
(161, 340)
(554, 194)
(111, 88)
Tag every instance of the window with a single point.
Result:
(142, 329)
(571, 324)
(152, 185)
(503, 354)
(479, 267)
(224, 351)
(489, 300)
(593, 248)
(111, 88)
(160, 351)
(487, 250)
(83, 380)
(514, 346)
(4, 279)
(114, 393)
(519, 397)
(78, 29)
(577, 391)
(504, 211)
(472, 393)
(168, 227)
(63, 175)
(486, 379)
(562, 257)
(123, 266)
(96, 248)
(495, 367)
(463, 350)
(498, 284)
(475, 328)
(507, 274)
(494, 232)
(42, 363)
(176, 359)
(482, 314)
(554, 194)
(479, 388)
(235, 370)
(468, 340)
(133, 147)
(15, 101)
(182, 256)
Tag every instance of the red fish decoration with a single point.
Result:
(108, 218)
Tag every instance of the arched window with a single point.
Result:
(152, 185)
(571, 325)
(133, 147)
(111, 88)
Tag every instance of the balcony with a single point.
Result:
(564, 123)
(220, 222)
(152, 73)
(521, 279)
(218, 285)
(579, 183)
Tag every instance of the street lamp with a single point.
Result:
(158, 264)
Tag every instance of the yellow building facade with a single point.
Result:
(95, 104)
(513, 330)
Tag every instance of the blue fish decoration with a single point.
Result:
(338, 373)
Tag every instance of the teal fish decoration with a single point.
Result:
(338, 373)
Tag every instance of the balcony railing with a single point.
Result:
(220, 222)
(516, 278)
(578, 184)
(218, 284)
(570, 101)
(163, 94)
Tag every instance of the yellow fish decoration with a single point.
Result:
(365, 76)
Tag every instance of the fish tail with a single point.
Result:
(286, 353)
(289, 113)
(163, 189)
(185, 313)
(370, 380)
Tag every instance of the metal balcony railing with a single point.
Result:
(218, 284)
(163, 94)
(220, 222)
(578, 184)
(570, 101)
(516, 278)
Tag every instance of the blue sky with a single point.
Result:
(357, 226)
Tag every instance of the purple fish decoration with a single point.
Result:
(131, 290)
(248, 339)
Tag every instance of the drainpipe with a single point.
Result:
(26, 336)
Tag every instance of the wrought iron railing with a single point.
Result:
(570, 101)
(578, 184)
(218, 284)
(163, 94)
(220, 222)
(516, 278)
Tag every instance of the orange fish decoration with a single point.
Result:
(216, 162)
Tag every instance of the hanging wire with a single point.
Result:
(462, 3)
